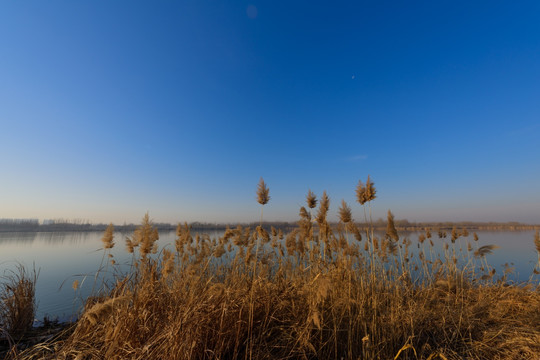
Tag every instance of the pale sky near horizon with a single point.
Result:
(112, 109)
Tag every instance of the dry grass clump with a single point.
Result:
(319, 294)
(17, 302)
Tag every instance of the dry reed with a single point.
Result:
(17, 301)
(317, 294)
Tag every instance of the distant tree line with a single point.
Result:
(56, 225)
(16, 224)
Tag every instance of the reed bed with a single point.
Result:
(318, 292)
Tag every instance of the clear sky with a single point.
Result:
(109, 109)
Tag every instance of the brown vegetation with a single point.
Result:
(17, 307)
(322, 293)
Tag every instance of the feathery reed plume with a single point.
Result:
(262, 193)
(324, 205)
(146, 235)
(365, 193)
(421, 238)
(219, 251)
(180, 239)
(311, 199)
(391, 232)
(375, 243)
(229, 233)
(305, 224)
(101, 310)
(290, 242)
(485, 250)
(304, 214)
(130, 246)
(361, 193)
(475, 236)
(391, 246)
(263, 234)
(455, 235)
(428, 234)
(355, 230)
(344, 212)
(370, 190)
(108, 237)
(167, 263)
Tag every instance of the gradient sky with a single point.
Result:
(109, 109)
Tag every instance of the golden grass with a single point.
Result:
(319, 294)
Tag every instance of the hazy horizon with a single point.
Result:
(110, 110)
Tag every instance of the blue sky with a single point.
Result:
(109, 109)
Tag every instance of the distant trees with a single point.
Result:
(19, 224)
(61, 224)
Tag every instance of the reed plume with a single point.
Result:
(365, 193)
(108, 237)
(485, 250)
(391, 232)
(311, 199)
(263, 193)
(146, 236)
(324, 206)
(370, 190)
(263, 234)
(167, 263)
(304, 214)
(361, 193)
(344, 212)
(355, 230)
(454, 234)
(130, 245)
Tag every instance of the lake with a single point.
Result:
(63, 257)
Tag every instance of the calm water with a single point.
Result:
(62, 258)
